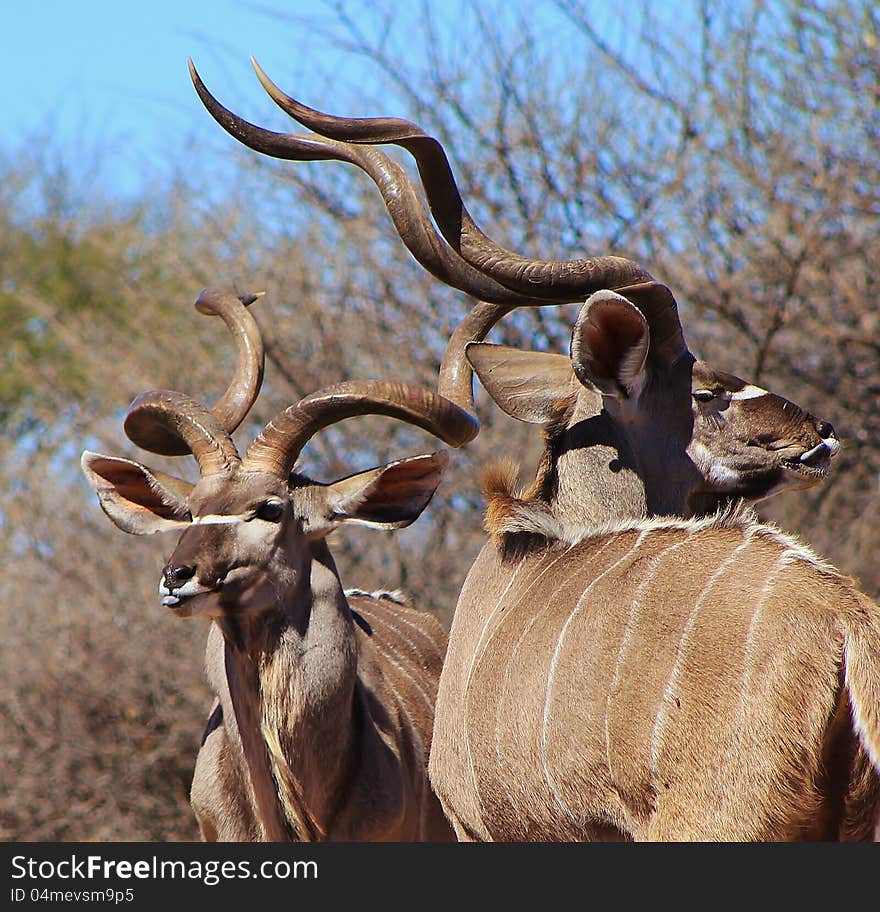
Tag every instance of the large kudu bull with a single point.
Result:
(612, 675)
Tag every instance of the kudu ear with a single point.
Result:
(609, 345)
(660, 309)
(390, 496)
(137, 499)
(524, 384)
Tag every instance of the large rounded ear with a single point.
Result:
(524, 384)
(137, 499)
(660, 309)
(609, 345)
(387, 497)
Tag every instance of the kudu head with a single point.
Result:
(249, 523)
(631, 413)
(665, 432)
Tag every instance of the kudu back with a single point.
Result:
(325, 705)
(702, 679)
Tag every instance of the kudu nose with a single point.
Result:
(825, 429)
(827, 448)
(175, 577)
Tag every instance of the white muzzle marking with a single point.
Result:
(172, 597)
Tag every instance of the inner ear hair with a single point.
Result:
(389, 496)
(609, 344)
(137, 499)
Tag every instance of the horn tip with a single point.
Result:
(248, 299)
(205, 302)
(261, 73)
(280, 98)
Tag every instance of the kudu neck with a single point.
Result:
(588, 474)
(292, 685)
(600, 468)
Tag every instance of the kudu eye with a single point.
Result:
(270, 510)
(704, 395)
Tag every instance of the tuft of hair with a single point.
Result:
(509, 513)
(498, 484)
(499, 479)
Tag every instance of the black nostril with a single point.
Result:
(825, 429)
(174, 576)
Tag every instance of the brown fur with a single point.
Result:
(325, 706)
(554, 435)
(669, 681)
(650, 433)
(516, 522)
(399, 655)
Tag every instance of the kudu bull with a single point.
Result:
(323, 725)
(631, 411)
(531, 742)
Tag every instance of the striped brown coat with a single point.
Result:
(687, 680)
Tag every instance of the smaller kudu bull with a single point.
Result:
(325, 711)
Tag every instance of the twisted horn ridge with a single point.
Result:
(468, 260)
(159, 416)
(562, 281)
(278, 446)
(404, 205)
(231, 409)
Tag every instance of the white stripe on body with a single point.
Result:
(662, 711)
(505, 675)
(383, 651)
(379, 618)
(470, 674)
(553, 664)
(748, 657)
(401, 613)
(478, 654)
(629, 630)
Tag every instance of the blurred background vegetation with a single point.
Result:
(732, 149)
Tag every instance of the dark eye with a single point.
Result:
(270, 510)
(704, 395)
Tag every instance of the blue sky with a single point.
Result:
(112, 75)
(98, 73)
